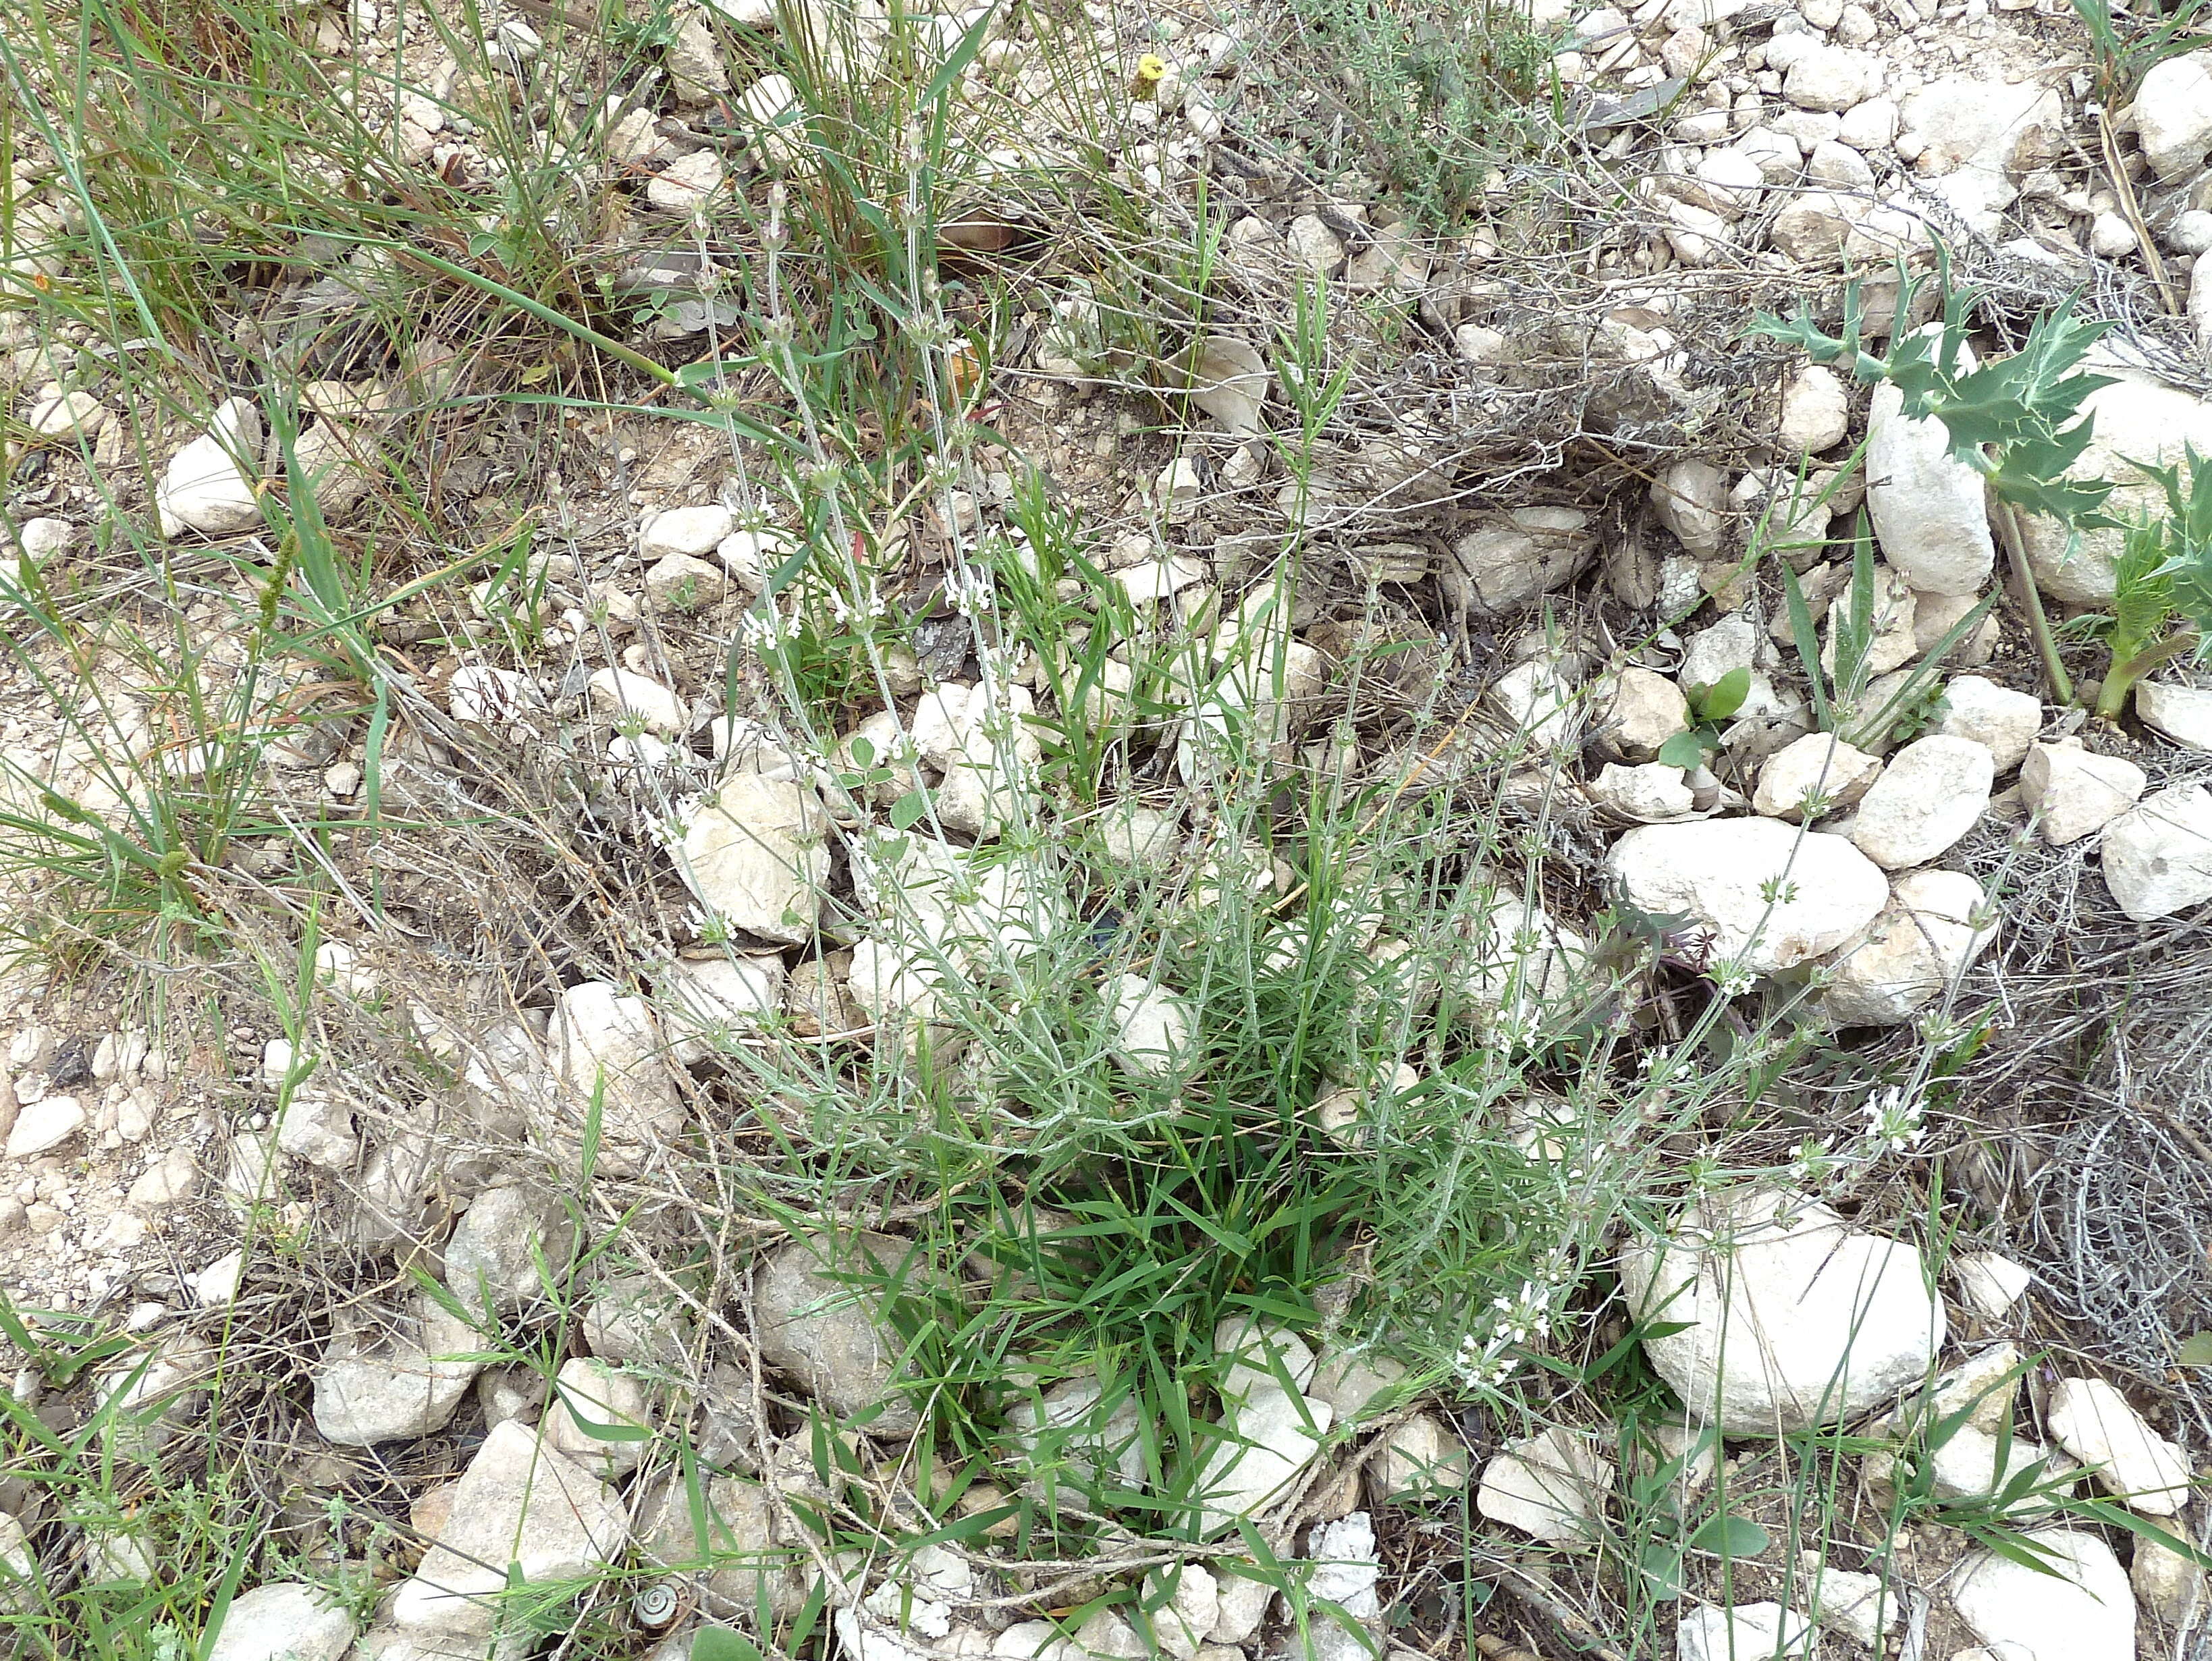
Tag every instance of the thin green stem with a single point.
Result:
(543, 313)
(2039, 622)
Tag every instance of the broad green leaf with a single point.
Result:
(1662, 1564)
(1727, 694)
(1731, 1536)
(2196, 1350)
(1683, 750)
(722, 1643)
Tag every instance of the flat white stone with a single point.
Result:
(2182, 713)
(2074, 792)
(757, 854)
(1551, 1486)
(695, 531)
(2080, 1610)
(2095, 1422)
(288, 1621)
(1992, 1283)
(1153, 1028)
(1279, 1434)
(2004, 721)
(1795, 1320)
(1932, 793)
(2158, 855)
(1764, 1630)
(1772, 895)
(519, 1505)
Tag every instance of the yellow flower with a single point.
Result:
(1151, 68)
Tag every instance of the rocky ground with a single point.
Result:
(1228, 978)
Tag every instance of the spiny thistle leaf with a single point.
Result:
(2013, 420)
(2186, 538)
(2031, 475)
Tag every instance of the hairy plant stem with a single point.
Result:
(2038, 624)
(2120, 679)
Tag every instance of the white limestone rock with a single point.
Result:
(1244, 1603)
(600, 1416)
(1859, 1606)
(1420, 1457)
(2168, 1585)
(2158, 855)
(2142, 1470)
(394, 1376)
(1638, 710)
(493, 1260)
(505, 701)
(2001, 719)
(1816, 412)
(1690, 498)
(625, 698)
(1814, 227)
(815, 1322)
(1828, 77)
(2173, 115)
(1818, 768)
(1188, 1603)
(1772, 895)
(701, 1000)
(1540, 701)
(1263, 1356)
(1930, 509)
(1652, 794)
(1712, 654)
(989, 752)
(1934, 617)
(211, 485)
(693, 533)
(2138, 418)
(2074, 792)
(1932, 793)
(1510, 562)
(1925, 938)
(1273, 1436)
(2077, 1606)
(611, 1057)
(686, 183)
(1551, 1485)
(1070, 1431)
(1992, 1283)
(756, 853)
(284, 1621)
(2182, 713)
(1766, 1630)
(1154, 1030)
(1795, 1320)
(2002, 129)
(45, 1124)
(1894, 616)
(1517, 962)
(519, 1506)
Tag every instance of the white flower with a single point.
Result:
(1894, 1118)
(762, 630)
(971, 594)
